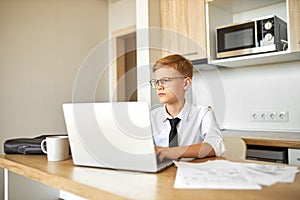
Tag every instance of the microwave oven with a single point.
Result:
(260, 35)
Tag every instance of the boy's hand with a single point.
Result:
(170, 153)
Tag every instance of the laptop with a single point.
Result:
(115, 135)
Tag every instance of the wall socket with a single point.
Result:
(269, 116)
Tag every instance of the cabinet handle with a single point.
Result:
(189, 54)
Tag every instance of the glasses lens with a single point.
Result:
(153, 83)
(165, 82)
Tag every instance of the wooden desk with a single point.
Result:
(94, 183)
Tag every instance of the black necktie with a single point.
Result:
(173, 137)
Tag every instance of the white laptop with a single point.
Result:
(113, 135)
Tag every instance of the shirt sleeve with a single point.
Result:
(211, 133)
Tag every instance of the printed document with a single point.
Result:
(222, 174)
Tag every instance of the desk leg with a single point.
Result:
(5, 184)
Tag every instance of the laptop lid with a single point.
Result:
(113, 135)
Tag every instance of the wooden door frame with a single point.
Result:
(118, 50)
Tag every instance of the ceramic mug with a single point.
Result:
(56, 148)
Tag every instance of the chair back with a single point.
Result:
(235, 148)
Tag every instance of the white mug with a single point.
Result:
(57, 147)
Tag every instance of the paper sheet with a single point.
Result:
(265, 174)
(222, 174)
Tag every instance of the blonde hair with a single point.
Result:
(175, 61)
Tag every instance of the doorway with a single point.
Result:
(126, 71)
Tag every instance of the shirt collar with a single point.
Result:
(183, 114)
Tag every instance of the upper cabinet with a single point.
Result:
(182, 24)
(224, 12)
(294, 16)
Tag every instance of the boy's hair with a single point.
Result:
(175, 61)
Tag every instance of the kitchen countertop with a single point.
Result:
(267, 138)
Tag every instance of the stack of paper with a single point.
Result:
(222, 174)
(270, 174)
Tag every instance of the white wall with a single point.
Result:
(42, 45)
(274, 87)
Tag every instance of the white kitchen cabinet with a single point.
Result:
(224, 12)
(182, 23)
(294, 156)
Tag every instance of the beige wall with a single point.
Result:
(42, 44)
(122, 14)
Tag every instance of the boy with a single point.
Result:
(181, 130)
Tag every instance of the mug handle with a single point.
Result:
(42, 146)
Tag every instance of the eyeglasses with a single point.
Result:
(165, 81)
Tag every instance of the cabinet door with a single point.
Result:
(183, 28)
(294, 156)
(294, 16)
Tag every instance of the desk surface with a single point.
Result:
(94, 183)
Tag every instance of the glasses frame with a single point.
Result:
(164, 81)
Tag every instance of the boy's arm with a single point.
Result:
(199, 150)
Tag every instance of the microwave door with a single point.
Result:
(236, 39)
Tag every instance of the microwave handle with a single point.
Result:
(256, 35)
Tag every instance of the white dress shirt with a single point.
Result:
(198, 124)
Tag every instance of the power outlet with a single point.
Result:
(269, 116)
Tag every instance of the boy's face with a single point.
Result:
(173, 91)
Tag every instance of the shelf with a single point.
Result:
(235, 6)
(202, 64)
(258, 59)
